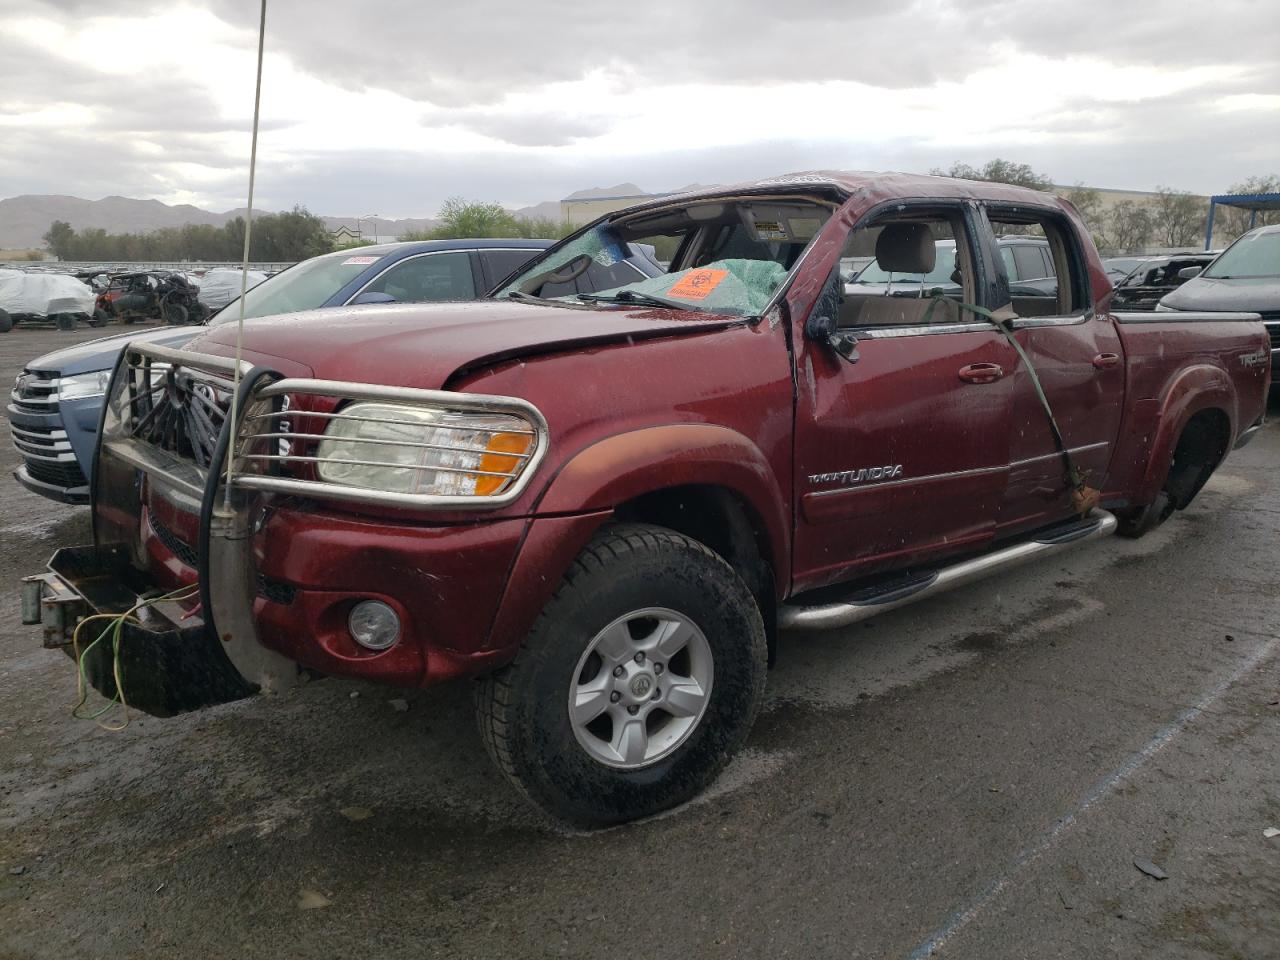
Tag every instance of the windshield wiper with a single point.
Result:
(521, 297)
(634, 297)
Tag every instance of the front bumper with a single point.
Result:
(56, 447)
(168, 661)
(311, 567)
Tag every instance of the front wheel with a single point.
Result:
(638, 682)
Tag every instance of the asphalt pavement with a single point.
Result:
(995, 773)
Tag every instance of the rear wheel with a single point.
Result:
(100, 318)
(1137, 521)
(65, 321)
(1200, 448)
(6, 321)
(638, 682)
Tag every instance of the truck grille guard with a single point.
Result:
(166, 433)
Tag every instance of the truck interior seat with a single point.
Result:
(900, 248)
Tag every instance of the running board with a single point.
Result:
(864, 604)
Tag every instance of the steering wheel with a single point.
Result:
(567, 273)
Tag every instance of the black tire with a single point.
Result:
(65, 321)
(523, 708)
(175, 314)
(1139, 521)
(100, 318)
(6, 321)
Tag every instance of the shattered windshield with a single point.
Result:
(723, 256)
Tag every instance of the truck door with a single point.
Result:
(902, 454)
(1077, 356)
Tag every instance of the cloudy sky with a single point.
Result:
(391, 107)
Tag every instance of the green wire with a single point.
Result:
(115, 627)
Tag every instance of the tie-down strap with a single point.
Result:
(1083, 497)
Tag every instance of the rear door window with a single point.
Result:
(1031, 265)
(1048, 278)
(500, 264)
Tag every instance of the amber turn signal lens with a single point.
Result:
(502, 455)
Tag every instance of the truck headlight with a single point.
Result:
(399, 448)
(84, 385)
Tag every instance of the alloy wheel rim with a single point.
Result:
(640, 688)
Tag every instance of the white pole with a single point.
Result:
(244, 265)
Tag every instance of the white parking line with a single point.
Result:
(962, 917)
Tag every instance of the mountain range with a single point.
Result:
(25, 219)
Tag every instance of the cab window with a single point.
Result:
(1042, 266)
(921, 270)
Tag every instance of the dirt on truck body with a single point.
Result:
(604, 506)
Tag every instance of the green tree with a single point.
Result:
(295, 235)
(1129, 227)
(60, 239)
(460, 218)
(1088, 203)
(543, 228)
(998, 171)
(1177, 217)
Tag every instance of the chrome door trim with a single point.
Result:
(951, 475)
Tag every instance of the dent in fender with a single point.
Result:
(1197, 388)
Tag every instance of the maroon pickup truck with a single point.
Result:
(604, 507)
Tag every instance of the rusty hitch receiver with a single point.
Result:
(171, 660)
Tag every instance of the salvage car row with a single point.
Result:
(96, 298)
(602, 489)
(56, 403)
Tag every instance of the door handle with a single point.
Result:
(981, 373)
(1104, 361)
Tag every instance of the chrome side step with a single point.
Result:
(828, 616)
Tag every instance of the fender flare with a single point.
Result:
(1194, 389)
(626, 465)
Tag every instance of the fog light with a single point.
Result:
(373, 624)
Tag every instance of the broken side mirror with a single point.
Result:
(822, 324)
(1189, 273)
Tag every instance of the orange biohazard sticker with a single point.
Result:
(697, 284)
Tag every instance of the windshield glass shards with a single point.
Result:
(737, 287)
(725, 256)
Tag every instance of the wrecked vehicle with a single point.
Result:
(605, 506)
(220, 286)
(1153, 278)
(152, 295)
(34, 298)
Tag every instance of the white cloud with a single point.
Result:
(523, 102)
